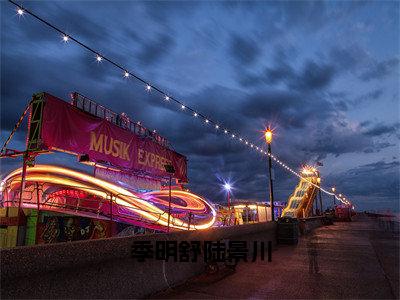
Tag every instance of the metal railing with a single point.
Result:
(121, 120)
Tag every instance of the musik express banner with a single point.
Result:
(67, 128)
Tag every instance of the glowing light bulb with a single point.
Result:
(206, 121)
(216, 126)
(20, 11)
(65, 38)
(225, 131)
(183, 106)
(99, 58)
(227, 186)
(126, 74)
(166, 98)
(268, 136)
(195, 114)
(233, 135)
(148, 88)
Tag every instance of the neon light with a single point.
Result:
(127, 202)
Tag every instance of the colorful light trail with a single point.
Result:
(66, 190)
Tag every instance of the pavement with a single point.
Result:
(358, 259)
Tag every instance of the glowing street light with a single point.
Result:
(268, 140)
(268, 135)
(228, 188)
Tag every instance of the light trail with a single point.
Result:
(147, 205)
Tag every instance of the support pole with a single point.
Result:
(271, 189)
(111, 215)
(23, 175)
(38, 210)
(320, 201)
(169, 201)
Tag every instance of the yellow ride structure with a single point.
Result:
(301, 201)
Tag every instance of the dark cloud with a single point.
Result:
(341, 105)
(153, 51)
(367, 98)
(313, 76)
(294, 109)
(335, 139)
(349, 58)
(380, 69)
(244, 50)
(369, 184)
(382, 129)
(280, 73)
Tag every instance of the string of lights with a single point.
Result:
(149, 87)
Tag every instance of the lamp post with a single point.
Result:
(334, 196)
(228, 188)
(170, 170)
(268, 139)
(320, 194)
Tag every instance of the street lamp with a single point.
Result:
(334, 196)
(228, 188)
(170, 170)
(320, 193)
(268, 140)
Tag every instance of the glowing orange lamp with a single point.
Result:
(268, 135)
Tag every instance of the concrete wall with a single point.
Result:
(104, 268)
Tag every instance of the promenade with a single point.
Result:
(356, 259)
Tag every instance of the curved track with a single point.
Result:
(63, 190)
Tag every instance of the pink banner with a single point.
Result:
(134, 181)
(67, 128)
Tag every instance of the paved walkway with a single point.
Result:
(355, 260)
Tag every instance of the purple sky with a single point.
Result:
(325, 75)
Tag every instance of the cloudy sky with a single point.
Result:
(324, 75)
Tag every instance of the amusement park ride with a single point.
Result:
(132, 166)
(300, 203)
